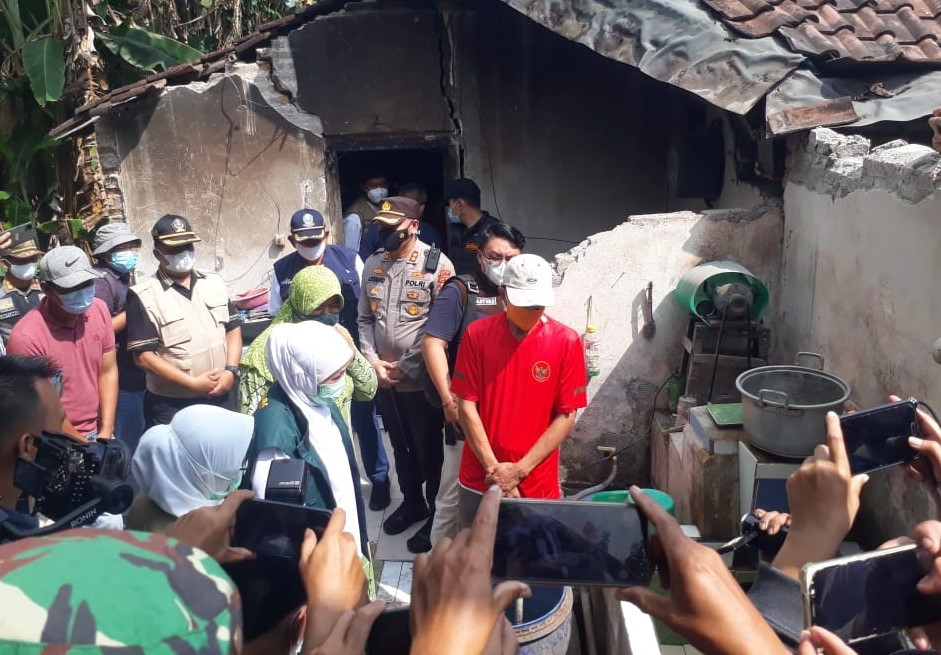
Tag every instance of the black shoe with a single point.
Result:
(405, 516)
(420, 542)
(379, 498)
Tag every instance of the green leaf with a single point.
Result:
(4, 195)
(44, 60)
(75, 227)
(146, 50)
(49, 227)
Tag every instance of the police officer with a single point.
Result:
(20, 290)
(182, 329)
(399, 284)
(309, 235)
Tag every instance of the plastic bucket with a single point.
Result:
(546, 628)
(663, 499)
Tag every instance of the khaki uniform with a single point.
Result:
(190, 331)
(394, 304)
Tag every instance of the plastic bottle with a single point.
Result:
(591, 340)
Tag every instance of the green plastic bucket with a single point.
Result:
(663, 499)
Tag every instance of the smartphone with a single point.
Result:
(22, 233)
(877, 437)
(868, 595)
(562, 542)
(274, 529)
(391, 633)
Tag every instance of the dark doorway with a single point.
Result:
(425, 166)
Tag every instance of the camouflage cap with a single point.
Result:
(104, 591)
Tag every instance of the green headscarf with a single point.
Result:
(310, 288)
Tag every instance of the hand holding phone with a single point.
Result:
(868, 595)
(451, 587)
(18, 234)
(332, 571)
(877, 437)
(705, 604)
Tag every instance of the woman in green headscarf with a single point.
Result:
(315, 295)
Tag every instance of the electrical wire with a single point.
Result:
(653, 411)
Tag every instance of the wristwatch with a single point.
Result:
(234, 370)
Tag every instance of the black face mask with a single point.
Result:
(392, 240)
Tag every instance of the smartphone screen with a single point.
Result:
(871, 595)
(571, 543)
(390, 633)
(878, 437)
(267, 527)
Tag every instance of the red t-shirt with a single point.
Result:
(519, 388)
(75, 350)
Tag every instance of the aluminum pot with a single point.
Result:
(783, 407)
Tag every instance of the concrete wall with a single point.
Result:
(614, 268)
(230, 154)
(562, 141)
(861, 260)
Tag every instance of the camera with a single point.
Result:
(74, 482)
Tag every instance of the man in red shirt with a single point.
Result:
(72, 329)
(520, 377)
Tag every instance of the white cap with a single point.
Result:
(528, 282)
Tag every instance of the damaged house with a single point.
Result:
(574, 116)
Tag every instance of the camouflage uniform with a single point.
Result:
(102, 591)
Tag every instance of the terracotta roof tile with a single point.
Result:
(860, 30)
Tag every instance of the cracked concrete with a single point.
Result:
(837, 165)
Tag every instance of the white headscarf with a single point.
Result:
(301, 356)
(181, 466)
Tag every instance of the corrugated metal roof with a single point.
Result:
(675, 41)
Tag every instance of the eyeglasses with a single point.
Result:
(496, 259)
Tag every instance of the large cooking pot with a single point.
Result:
(783, 407)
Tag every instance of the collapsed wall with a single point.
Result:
(613, 268)
(860, 264)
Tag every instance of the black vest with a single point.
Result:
(340, 260)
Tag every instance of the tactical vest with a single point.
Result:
(191, 332)
(340, 260)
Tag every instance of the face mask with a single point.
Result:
(525, 318)
(181, 262)
(329, 393)
(311, 253)
(452, 217)
(77, 302)
(233, 486)
(327, 319)
(23, 271)
(393, 239)
(125, 261)
(495, 272)
(377, 194)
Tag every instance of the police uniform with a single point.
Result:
(186, 327)
(395, 302)
(15, 302)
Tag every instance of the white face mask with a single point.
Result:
(495, 272)
(311, 253)
(377, 194)
(181, 262)
(23, 271)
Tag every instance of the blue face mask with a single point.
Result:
(125, 261)
(329, 393)
(452, 217)
(77, 302)
(327, 319)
